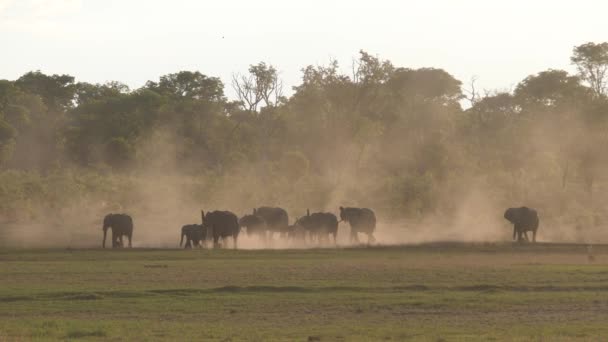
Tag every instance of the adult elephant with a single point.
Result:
(277, 220)
(194, 233)
(361, 220)
(122, 225)
(320, 226)
(221, 224)
(524, 219)
(254, 225)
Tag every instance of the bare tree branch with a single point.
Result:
(471, 94)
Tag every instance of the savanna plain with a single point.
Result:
(428, 292)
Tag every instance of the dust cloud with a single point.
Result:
(421, 191)
(161, 201)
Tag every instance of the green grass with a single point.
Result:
(450, 292)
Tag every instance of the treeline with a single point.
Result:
(409, 142)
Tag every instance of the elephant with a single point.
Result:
(254, 225)
(194, 233)
(276, 219)
(221, 224)
(361, 220)
(524, 219)
(296, 232)
(319, 226)
(122, 225)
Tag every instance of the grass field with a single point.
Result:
(435, 292)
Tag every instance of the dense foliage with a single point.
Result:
(409, 142)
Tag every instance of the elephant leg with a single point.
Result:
(235, 238)
(514, 232)
(216, 243)
(525, 233)
(519, 237)
(129, 237)
(534, 236)
(188, 244)
(114, 240)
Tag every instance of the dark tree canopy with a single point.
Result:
(401, 138)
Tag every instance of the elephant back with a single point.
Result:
(221, 223)
(323, 221)
(275, 218)
(121, 223)
(360, 219)
(523, 216)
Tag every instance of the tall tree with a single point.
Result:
(261, 85)
(57, 91)
(188, 84)
(591, 60)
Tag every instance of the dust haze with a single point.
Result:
(435, 159)
(161, 200)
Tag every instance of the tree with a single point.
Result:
(188, 84)
(550, 88)
(262, 84)
(57, 91)
(87, 92)
(591, 61)
(111, 123)
(426, 84)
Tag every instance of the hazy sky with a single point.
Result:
(133, 41)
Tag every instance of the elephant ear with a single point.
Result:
(511, 214)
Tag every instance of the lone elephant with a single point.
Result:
(361, 220)
(524, 219)
(194, 233)
(221, 224)
(122, 225)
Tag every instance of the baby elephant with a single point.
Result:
(194, 233)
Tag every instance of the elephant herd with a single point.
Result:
(264, 223)
(316, 228)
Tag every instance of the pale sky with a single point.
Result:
(132, 41)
